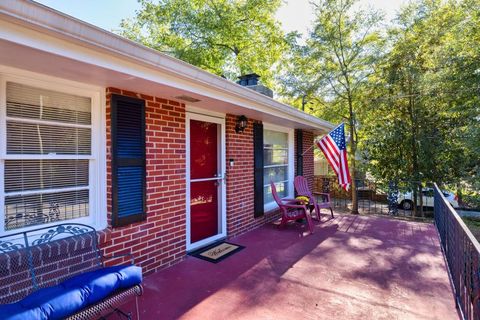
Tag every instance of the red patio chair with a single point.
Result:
(301, 186)
(291, 211)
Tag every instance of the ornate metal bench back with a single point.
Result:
(44, 257)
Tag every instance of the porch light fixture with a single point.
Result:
(242, 122)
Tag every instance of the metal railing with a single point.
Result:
(462, 253)
(393, 199)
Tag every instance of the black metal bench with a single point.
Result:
(47, 256)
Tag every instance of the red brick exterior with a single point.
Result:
(308, 158)
(239, 147)
(159, 241)
(240, 195)
(52, 263)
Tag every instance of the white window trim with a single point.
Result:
(291, 161)
(97, 174)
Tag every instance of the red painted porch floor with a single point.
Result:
(352, 267)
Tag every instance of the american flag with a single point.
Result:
(334, 148)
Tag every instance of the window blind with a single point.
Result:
(34, 103)
(27, 175)
(54, 130)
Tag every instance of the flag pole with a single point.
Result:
(313, 145)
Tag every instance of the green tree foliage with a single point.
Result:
(225, 37)
(334, 65)
(424, 115)
(409, 94)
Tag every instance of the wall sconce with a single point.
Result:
(242, 122)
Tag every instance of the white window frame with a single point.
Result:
(97, 217)
(291, 162)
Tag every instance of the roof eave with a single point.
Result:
(39, 17)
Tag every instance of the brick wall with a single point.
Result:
(159, 241)
(308, 158)
(240, 194)
(53, 262)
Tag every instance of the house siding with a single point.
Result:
(158, 241)
(308, 158)
(240, 178)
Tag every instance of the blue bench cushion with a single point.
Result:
(73, 294)
(15, 311)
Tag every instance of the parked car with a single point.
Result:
(405, 200)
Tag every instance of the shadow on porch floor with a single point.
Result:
(352, 267)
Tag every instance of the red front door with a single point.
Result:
(205, 179)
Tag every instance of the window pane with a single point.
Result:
(275, 139)
(27, 138)
(274, 157)
(282, 190)
(29, 210)
(23, 175)
(275, 174)
(34, 103)
(46, 123)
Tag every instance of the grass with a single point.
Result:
(473, 223)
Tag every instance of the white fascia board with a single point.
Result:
(60, 34)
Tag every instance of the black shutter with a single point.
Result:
(128, 160)
(299, 144)
(258, 169)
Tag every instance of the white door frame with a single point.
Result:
(221, 178)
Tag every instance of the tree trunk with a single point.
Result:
(416, 185)
(459, 194)
(415, 197)
(353, 150)
(354, 186)
(420, 205)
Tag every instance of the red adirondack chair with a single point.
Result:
(291, 211)
(301, 186)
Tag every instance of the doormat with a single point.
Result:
(217, 252)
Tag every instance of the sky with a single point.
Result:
(107, 14)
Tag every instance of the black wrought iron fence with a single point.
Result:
(462, 253)
(385, 198)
